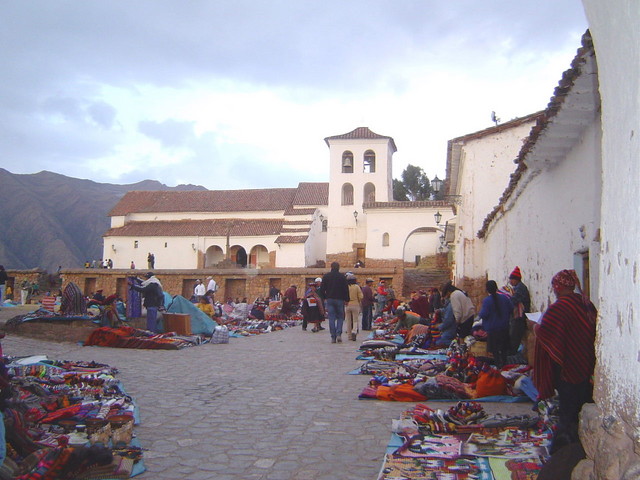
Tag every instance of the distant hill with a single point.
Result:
(47, 219)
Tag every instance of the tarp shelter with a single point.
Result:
(201, 323)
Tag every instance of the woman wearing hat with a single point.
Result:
(522, 304)
(312, 308)
(565, 352)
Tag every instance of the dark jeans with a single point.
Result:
(464, 329)
(571, 398)
(498, 345)
(367, 314)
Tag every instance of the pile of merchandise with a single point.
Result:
(465, 443)
(66, 420)
(458, 374)
(256, 327)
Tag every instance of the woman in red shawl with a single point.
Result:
(565, 353)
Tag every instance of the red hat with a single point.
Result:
(516, 274)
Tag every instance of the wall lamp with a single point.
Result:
(355, 215)
(113, 247)
(193, 245)
(438, 217)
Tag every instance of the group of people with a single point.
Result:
(565, 336)
(102, 263)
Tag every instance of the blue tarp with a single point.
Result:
(201, 323)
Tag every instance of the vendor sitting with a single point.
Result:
(204, 305)
(405, 319)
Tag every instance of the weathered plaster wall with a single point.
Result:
(615, 425)
(485, 166)
(556, 216)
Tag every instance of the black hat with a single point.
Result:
(148, 275)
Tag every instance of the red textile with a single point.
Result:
(128, 337)
(566, 337)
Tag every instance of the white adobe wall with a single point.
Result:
(177, 254)
(485, 166)
(615, 27)
(290, 255)
(560, 203)
(399, 224)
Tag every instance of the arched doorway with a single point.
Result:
(213, 256)
(420, 243)
(239, 255)
(259, 256)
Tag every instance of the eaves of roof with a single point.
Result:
(572, 107)
(361, 133)
(198, 228)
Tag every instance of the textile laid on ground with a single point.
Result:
(129, 337)
(458, 375)
(465, 443)
(46, 316)
(67, 420)
(255, 327)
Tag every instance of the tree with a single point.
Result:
(414, 185)
(399, 192)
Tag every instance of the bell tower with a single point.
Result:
(360, 172)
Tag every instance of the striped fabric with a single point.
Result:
(566, 338)
(48, 303)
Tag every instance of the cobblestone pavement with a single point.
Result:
(277, 406)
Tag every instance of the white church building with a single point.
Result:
(351, 218)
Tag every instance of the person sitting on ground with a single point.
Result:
(405, 319)
(446, 323)
(205, 306)
(420, 304)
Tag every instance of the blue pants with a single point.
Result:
(367, 314)
(152, 319)
(335, 312)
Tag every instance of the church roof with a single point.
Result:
(361, 133)
(255, 200)
(291, 239)
(209, 228)
(312, 194)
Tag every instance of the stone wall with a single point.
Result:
(250, 283)
(36, 275)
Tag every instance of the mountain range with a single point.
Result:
(49, 220)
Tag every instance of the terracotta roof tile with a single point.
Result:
(361, 133)
(299, 211)
(201, 228)
(270, 199)
(311, 194)
(291, 239)
(297, 222)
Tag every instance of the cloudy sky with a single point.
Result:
(241, 93)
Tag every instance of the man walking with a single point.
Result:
(151, 290)
(335, 291)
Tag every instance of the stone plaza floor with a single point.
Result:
(277, 406)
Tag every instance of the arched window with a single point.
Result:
(347, 162)
(369, 161)
(369, 192)
(347, 194)
(385, 239)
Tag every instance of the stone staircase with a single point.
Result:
(423, 278)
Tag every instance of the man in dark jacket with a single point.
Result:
(3, 282)
(335, 291)
(151, 290)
